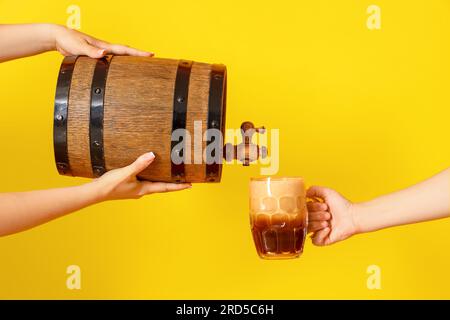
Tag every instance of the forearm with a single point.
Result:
(427, 200)
(24, 210)
(22, 40)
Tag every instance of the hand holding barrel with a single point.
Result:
(71, 42)
(23, 40)
(24, 210)
(123, 184)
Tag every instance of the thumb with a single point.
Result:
(92, 51)
(320, 237)
(140, 164)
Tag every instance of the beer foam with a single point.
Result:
(277, 187)
(277, 195)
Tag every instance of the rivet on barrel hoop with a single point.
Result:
(98, 171)
(62, 168)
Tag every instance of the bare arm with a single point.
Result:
(23, 40)
(427, 200)
(334, 218)
(24, 210)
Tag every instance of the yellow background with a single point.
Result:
(363, 111)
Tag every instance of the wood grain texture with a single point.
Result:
(138, 113)
(78, 117)
(197, 110)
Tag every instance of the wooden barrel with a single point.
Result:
(109, 111)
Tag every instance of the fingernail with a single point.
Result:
(149, 156)
(101, 52)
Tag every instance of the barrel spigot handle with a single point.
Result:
(246, 152)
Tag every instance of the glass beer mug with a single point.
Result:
(278, 216)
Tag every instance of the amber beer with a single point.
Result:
(278, 216)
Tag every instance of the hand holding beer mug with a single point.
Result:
(278, 216)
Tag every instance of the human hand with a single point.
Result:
(71, 42)
(330, 216)
(123, 184)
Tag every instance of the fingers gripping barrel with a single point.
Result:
(109, 111)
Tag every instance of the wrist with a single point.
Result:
(95, 191)
(356, 213)
(371, 216)
(47, 35)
